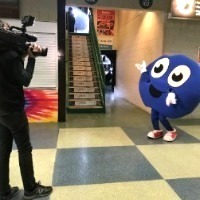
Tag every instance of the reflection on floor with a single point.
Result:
(108, 157)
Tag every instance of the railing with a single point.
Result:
(67, 66)
(97, 58)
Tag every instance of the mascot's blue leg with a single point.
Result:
(171, 132)
(157, 132)
(165, 122)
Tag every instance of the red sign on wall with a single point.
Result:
(105, 22)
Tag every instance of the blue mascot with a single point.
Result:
(170, 87)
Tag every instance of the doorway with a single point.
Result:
(109, 64)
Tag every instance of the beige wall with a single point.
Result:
(183, 36)
(43, 10)
(140, 37)
(123, 4)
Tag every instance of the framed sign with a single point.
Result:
(91, 2)
(105, 22)
(146, 3)
(185, 8)
(105, 43)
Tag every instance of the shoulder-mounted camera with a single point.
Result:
(17, 39)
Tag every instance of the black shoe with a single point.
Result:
(39, 191)
(9, 195)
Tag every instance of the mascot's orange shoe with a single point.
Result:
(170, 136)
(155, 134)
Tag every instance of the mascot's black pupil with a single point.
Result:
(158, 69)
(177, 78)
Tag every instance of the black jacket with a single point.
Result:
(13, 77)
(70, 21)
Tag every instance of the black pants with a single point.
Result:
(15, 126)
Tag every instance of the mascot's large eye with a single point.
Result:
(160, 67)
(179, 76)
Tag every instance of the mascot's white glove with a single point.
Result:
(142, 67)
(171, 98)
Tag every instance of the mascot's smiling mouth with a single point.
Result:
(154, 92)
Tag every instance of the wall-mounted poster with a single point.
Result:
(105, 22)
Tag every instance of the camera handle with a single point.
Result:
(22, 29)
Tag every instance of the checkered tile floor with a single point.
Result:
(91, 158)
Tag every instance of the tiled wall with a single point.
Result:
(140, 37)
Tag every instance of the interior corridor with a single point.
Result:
(108, 157)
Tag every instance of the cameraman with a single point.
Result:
(13, 120)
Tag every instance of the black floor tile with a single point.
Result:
(101, 165)
(187, 189)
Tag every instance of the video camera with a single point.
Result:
(19, 40)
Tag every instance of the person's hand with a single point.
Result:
(142, 67)
(33, 50)
(171, 98)
(6, 26)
